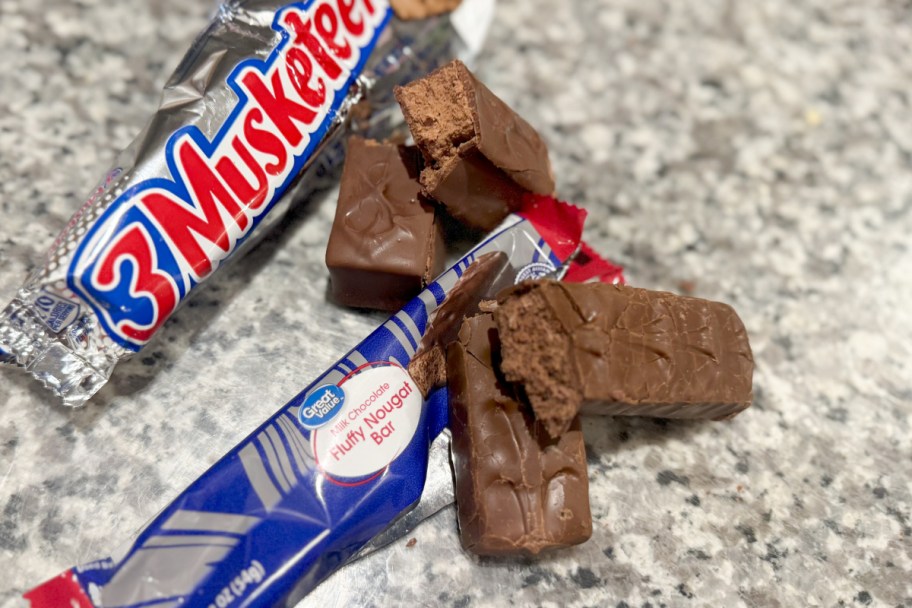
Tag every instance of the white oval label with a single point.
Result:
(379, 417)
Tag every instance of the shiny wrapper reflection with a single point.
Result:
(252, 121)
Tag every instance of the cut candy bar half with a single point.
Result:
(518, 491)
(620, 350)
(386, 243)
(481, 157)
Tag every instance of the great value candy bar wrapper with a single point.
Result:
(250, 122)
(327, 473)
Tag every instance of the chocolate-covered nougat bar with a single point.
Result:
(481, 157)
(518, 491)
(620, 350)
(386, 243)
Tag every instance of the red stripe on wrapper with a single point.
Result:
(590, 266)
(559, 223)
(62, 591)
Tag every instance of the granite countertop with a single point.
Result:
(758, 153)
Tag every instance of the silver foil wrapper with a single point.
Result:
(252, 121)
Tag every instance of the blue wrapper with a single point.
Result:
(317, 481)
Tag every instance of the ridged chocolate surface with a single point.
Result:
(518, 491)
(620, 350)
(385, 243)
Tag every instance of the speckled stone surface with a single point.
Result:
(758, 153)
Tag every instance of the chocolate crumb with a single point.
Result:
(409, 10)
(687, 287)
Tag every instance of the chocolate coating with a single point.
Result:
(481, 156)
(616, 350)
(422, 9)
(386, 243)
(428, 366)
(518, 492)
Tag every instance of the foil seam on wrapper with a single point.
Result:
(35, 347)
(269, 513)
(200, 102)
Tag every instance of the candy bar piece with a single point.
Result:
(385, 244)
(481, 156)
(518, 491)
(622, 351)
(408, 10)
(480, 280)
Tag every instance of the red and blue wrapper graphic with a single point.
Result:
(210, 173)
